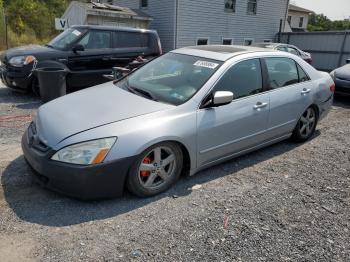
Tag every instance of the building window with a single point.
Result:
(230, 6)
(248, 41)
(227, 41)
(252, 5)
(289, 19)
(202, 41)
(301, 21)
(143, 3)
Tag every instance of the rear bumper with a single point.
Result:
(83, 182)
(325, 107)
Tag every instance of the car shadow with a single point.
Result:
(342, 101)
(8, 95)
(34, 204)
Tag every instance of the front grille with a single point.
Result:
(34, 140)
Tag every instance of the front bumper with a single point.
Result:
(342, 86)
(15, 78)
(101, 181)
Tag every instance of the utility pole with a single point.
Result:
(6, 31)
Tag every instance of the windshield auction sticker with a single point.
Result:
(76, 32)
(206, 64)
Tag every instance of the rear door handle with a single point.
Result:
(305, 91)
(260, 105)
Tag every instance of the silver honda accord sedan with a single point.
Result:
(180, 113)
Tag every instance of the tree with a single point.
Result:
(320, 22)
(34, 15)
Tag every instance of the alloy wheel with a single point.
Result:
(157, 167)
(307, 122)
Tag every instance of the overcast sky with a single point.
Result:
(334, 9)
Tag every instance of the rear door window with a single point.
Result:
(242, 79)
(281, 71)
(130, 40)
(96, 40)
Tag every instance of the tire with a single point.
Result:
(159, 173)
(306, 125)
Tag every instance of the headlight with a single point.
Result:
(86, 153)
(20, 61)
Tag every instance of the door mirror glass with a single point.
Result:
(348, 61)
(77, 48)
(221, 98)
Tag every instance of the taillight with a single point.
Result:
(332, 88)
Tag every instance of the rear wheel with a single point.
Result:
(155, 170)
(306, 125)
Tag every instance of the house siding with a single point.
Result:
(296, 18)
(75, 14)
(207, 18)
(163, 14)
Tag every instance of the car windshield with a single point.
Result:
(172, 78)
(66, 38)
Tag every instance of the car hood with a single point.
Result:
(26, 50)
(343, 72)
(90, 108)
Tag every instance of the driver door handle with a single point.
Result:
(260, 105)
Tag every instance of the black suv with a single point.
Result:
(88, 52)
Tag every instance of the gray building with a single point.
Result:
(189, 22)
(79, 13)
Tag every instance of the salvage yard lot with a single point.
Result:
(284, 203)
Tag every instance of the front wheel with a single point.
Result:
(155, 170)
(306, 125)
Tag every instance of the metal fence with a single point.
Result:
(329, 50)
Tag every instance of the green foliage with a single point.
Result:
(31, 21)
(320, 22)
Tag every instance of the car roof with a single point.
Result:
(218, 52)
(269, 45)
(114, 28)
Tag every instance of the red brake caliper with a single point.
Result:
(144, 173)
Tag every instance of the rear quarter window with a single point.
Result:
(131, 40)
(303, 77)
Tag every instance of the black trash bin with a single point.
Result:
(52, 82)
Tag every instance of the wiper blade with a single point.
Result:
(50, 46)
(136, 90)
(146, 93)
(142, 92)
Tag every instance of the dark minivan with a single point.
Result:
(88, 52)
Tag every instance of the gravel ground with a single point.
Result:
(288, 202)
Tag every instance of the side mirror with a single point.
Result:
(221, 98)
(77, 48)
(348, 61)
